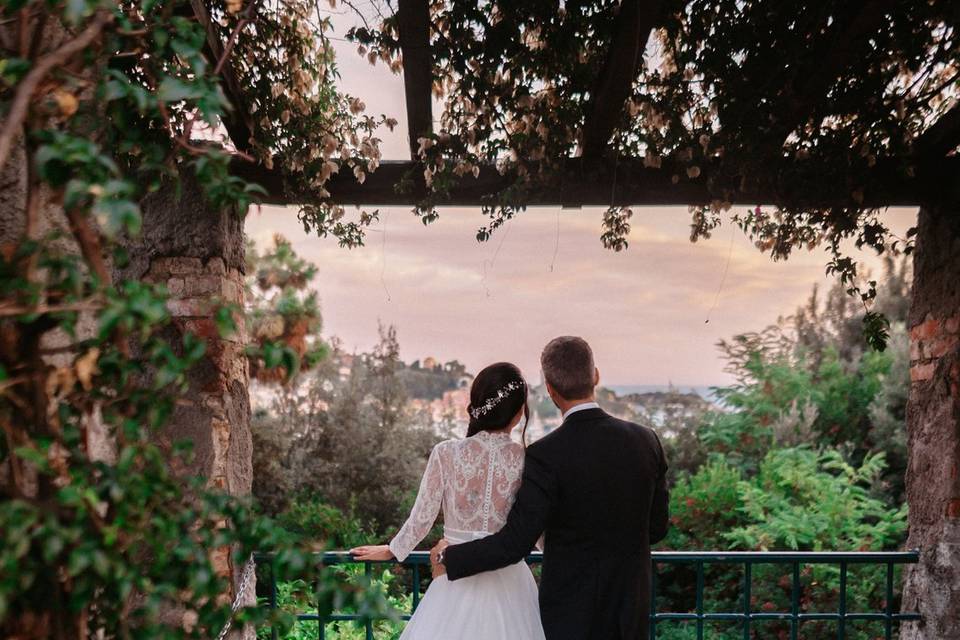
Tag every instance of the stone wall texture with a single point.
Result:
(197, 252)
(933, 422)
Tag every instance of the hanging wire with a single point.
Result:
(383, 257)
(616, 165)
(723, 279)
(489, 264)
(556, 244)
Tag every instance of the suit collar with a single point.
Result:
(584, 415)
(583, 406)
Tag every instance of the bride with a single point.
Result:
(474, 481)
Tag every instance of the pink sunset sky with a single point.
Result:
(645, 310)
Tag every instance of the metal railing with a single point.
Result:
(419, 561)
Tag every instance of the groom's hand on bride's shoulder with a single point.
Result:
(437, 568)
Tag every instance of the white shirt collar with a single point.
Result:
(583, 406)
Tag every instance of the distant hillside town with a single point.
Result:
(439, 392)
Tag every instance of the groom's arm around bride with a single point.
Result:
(597, 488)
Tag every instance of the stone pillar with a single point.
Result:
(933, 424)
(197, 252)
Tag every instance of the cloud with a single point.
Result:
(653, 313)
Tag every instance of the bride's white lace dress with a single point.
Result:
(474, 481)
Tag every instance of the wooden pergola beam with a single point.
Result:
(635, 185)
(634, 23)
(414, 24)
(942, 137)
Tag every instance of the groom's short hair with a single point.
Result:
(567, 364)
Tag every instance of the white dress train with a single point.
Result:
(475, 482)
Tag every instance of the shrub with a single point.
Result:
(324, 524)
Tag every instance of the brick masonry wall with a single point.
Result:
(933, 426)
(196, 289)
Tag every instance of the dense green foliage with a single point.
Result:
(343, 436)
(282, 314)
(295, 596)
(808, 455)
(101, 105)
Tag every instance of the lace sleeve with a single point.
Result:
(425, 509)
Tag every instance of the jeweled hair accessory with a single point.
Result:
(488, 406)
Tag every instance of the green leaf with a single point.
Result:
(272, 355)
(78, 562)
(116, 214)
(12, 70)
(226, 325)
(174, 89)
(32, 455)
(876, 330)
(101, 564)
(52, 547)
(76, 10)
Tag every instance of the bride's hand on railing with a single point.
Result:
(372, 553)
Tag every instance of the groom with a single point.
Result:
(596, 488)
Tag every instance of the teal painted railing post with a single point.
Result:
(367, 571)
(747, 596)
(700, 600)
(842, 623)
(321, 623)
(416, 587)
(888, 622)
(795, 603)
(653, 600)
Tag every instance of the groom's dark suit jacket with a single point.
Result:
(596, 488)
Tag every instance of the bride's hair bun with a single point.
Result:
(497, 394)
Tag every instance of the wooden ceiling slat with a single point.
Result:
(414, 25)
(634, 23)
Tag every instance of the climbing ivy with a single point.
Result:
(103, 103)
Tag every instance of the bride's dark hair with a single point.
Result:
(491, 380)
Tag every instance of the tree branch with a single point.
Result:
(89, 243)
(239, 125)
(7, 311)
(21, 101)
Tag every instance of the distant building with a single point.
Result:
(345, 363)
(448, 414)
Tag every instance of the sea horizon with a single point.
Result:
(703, 390)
